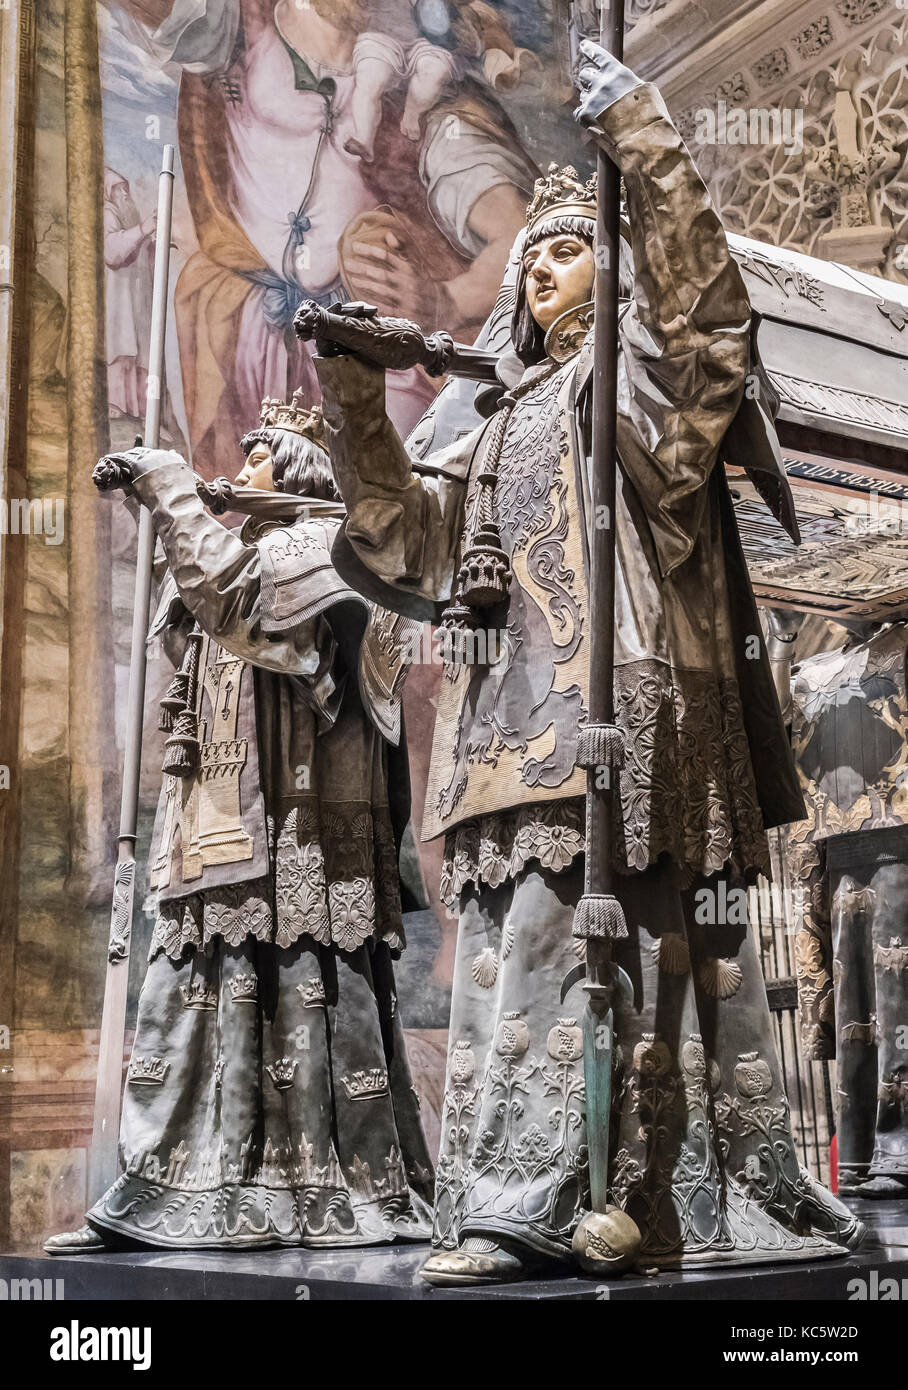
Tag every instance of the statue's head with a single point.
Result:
(557, 269)
(288, 452)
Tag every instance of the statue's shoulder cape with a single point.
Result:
(299, 582)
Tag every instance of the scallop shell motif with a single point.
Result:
(485, 968)
(720, 977)
(578, 946)
(507, 939)
(671, 954)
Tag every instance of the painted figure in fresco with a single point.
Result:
(268, 1099)
(128, 278)
(396, 50)
(424, 46)
(703, 1157)
(283, 210)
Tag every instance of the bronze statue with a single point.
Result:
(268, 1099)
(849, 862)
(490, 536)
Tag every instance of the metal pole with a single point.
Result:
(103, 1164)
(607, 1240)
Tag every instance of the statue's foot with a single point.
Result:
(479, 1261)
(85, 1241)
(880, 1187)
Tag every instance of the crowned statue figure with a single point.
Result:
(490, 535)
(268, 1098)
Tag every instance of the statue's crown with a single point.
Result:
(295, 417)
(561, 194)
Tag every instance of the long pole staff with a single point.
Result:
(103, 1165)
(608, 1240)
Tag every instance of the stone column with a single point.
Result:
(92, 746)
(17, 75)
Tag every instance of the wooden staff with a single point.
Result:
(607, 1240)
(103, 1163)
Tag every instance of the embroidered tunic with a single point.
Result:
(505, 787)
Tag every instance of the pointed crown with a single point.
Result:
(295, 417)
(561, 194)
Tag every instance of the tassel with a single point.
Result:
(598, 914)
(182, 751)
(484, 577)
(485, 574)
(174, 701)
(456, 635)
(600, 745)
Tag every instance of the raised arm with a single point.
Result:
(217, 575)
(685, 338)
(405, 528)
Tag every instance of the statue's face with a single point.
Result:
(257, 471)
(560, 273)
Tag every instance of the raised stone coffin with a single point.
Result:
(834, 342)
(834, 345)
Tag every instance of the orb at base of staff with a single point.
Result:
(606, 1242)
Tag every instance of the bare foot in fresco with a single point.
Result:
(354, 146)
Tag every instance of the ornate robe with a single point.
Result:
(704, 1159)
(268, 1099)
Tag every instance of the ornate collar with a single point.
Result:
(566, 336)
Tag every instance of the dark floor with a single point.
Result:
(391, 1273)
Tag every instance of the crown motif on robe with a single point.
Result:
(561, 194)
(244, 989)
(198, 996)
(366, 1085)
(312, 993)
(281, 1072)
(147, 1071)
(295, 417)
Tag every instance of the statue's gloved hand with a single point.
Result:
(120, 470)
(602, 80)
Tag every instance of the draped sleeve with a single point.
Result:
(684, 339)
(219, 579)
(404, 526)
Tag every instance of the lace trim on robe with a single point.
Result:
(687, 789)
(335, 879)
